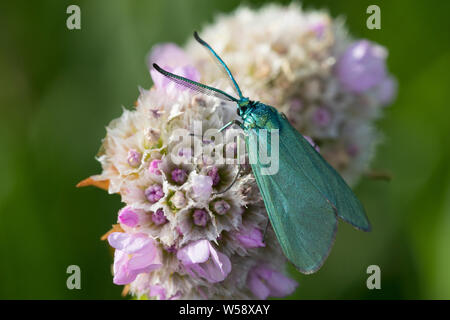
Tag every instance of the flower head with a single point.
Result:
(182, 240)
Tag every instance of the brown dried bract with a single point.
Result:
(125, 290)
(102, 184)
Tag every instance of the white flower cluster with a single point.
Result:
(203, 245)
(177, 236)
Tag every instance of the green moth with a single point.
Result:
(306, 196)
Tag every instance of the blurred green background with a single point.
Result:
(60, 88)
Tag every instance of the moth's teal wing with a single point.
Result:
(322, 175)
(303, 220)
(304, 198)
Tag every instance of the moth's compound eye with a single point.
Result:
(241, 110)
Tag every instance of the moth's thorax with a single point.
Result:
(259, 115)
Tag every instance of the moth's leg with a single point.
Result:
(238, 156)
(237, 122)
(232, 183)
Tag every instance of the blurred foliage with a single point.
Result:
(59, 88)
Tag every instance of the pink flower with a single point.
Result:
(179, 176)
(158, 217)
(202, 260)
(264, 281)
(296, 105)
(250, 238)
(200, 217)
(319, 29)
(160, 292)
(135, 254)
(157, 291)
(154, 193)
(172, 58)
(202, 186)
(322, 117)
(131, 217)
(362, 66)
(168, 54)
(134, 158)
(214, 174)
(154, 167)
(221, 207)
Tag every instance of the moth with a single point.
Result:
(306, 196)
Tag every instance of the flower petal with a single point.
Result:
(218, 268)
(129, 243)
(362, 66)
(251, 238)
(202, 186)
(128, 217)
(121, 273)
(280, 285)
(168, 54)
(258, 288)
(157, 291)
(194, 252)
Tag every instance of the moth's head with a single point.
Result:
(243, 104)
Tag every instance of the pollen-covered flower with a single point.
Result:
(185, 231)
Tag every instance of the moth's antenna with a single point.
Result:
(195, 86)
(205, 44)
